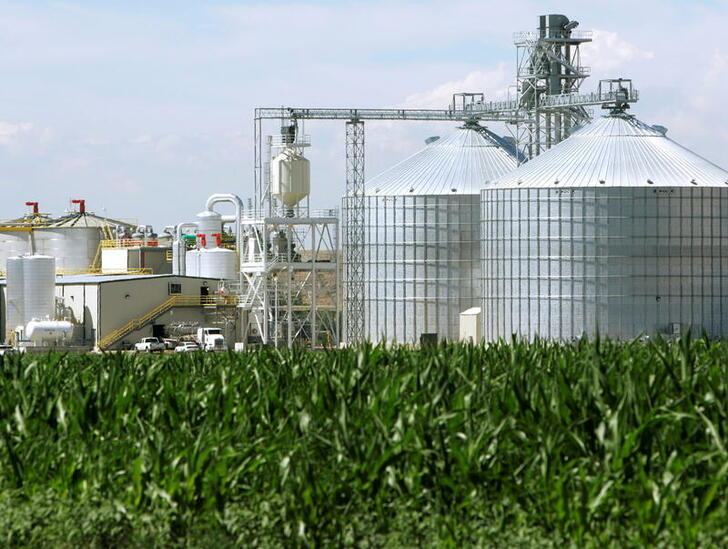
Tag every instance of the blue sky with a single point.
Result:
(145, 108)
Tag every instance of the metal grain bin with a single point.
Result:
(618, 230)
(421, 236)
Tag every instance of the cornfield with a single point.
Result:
(522, 444)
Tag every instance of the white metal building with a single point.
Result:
(103, 305)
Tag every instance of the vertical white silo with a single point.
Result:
(30, 290)
(421, 236)
(617, 230)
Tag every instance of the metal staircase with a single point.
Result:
(174, 301)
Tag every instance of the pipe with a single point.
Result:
(235, 201)
(35, 206)
(178, 250)
(81, 205)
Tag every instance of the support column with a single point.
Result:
(354, 234)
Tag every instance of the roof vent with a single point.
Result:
(692, 181)
(650, 182)
(454, 190)
(556, 182)
(412, 189)
(661, 129)
(377, 190)
(602, 182)
(431, 140)
(520, 181)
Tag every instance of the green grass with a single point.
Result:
(512, 445)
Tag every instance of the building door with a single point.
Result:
(158, 331)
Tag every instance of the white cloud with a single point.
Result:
(10, 132)
(608, 52)
(494, 83)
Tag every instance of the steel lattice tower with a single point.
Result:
(354, 233)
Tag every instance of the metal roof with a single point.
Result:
(460, 163)
(616, 150)
(88, 219)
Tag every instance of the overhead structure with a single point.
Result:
(547, 106)
(618, 231)
(422, 236)
(289, 253)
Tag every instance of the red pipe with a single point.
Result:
(218, 239)
(81, 205)
(203, 240)
(35, 206)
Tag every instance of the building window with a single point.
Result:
(175, 288)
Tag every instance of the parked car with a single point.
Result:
(187, 347)
(170, 344)
(149, 345)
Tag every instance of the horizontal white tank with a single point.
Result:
(218, 263)
(290, 177)
(46, 332)
(209, 223)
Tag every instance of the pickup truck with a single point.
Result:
(149, 345)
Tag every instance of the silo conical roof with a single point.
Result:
(616, 150)
(460, 163)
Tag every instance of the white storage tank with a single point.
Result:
(421, 236)
(218, 263)
(48, 332)
(209, 223)
(290, 177)
(618, 230)
(30, 290)
(192, 263)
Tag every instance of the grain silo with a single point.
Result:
(421, 235)
(618, 230)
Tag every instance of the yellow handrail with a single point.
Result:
(174, 301)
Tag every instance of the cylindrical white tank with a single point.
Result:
(192, 263)
(14, 296)
(209, 223)
(39, 274)
(47, 332)
(30, 290)
(290, 177)
(179, 250)
(218, 263)
(73, 247)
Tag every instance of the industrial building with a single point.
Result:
(561, 225)
(112, 312)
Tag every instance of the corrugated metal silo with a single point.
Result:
(617, 230)
(421, 236)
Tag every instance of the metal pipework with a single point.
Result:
(238, 203)
(178, 256)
